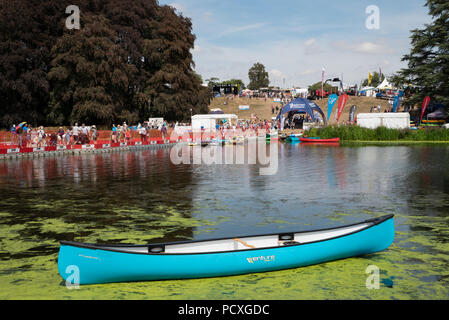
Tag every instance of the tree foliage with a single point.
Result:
(129, 60)
(258, 77)
(375, 81)
(428, 61)
(235, 82)
(317, 86)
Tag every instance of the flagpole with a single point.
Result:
(322, 84)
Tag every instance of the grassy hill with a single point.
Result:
(262, 107)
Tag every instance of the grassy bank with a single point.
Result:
(356, 133)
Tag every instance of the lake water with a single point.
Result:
(139, 197)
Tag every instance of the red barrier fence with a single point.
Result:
(152, 141)
(8, 139)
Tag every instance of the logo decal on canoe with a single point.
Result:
(261, 258)
(89, 257)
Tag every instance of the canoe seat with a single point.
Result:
(156, 249)
(289, 243)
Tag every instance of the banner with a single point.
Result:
(352, 114)
(397, 101)
(341, 105)
(322, 84)
(424, 107)
(370, 78)
(330, 105)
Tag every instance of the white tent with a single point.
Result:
(208, 121)
(392, 120)
(369, 91)
(301, 92)
(385, 85)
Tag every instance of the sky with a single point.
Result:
(296, 39)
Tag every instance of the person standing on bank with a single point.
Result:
(75, 132)
(94, 133)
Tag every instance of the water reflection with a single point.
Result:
(138, 197)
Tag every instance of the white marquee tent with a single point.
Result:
(208, 121)
(385, 85)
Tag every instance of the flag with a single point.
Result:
(424, 106)
(341, 105)
(322, 83)
(370, 78)
(352, 114)
(396, 102)
(380, 74)
(330, 105)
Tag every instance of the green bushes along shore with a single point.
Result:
(356, 133)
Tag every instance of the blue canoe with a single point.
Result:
(293, 138)
(97, 264)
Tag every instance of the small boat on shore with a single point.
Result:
(319, 140)
(215, 143)
(293, 138)
(272, 135)
(103, 263)
(238, 140)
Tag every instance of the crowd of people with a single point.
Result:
(254, 124)
(26, 136)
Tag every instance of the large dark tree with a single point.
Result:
(258, 77)
(28, 30)
(171, 79)
(428, 60)
(90, 76)
(131, 59)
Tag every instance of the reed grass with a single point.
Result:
(356, 133)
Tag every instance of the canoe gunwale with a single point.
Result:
(117, 247)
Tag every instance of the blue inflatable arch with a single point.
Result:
(301, 105)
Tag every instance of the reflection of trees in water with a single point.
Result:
(428, 182)
(123, 190)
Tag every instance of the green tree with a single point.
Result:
(317, 86)
(258, 77)
(376, 81)
(428, 60)
(235, 82)
(213, 81)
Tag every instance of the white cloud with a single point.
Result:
(365, 47)
(233, 30)
(290, 60)
(311, 47)
(277, 74)
(179, 7)
(310, 42)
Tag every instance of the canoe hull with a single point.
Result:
(319, 140)
(97, 266)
